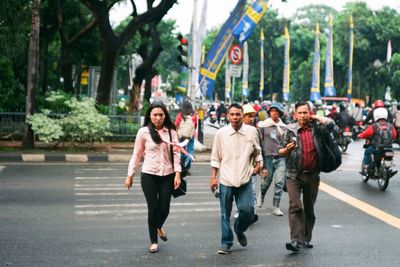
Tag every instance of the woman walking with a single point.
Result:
(161, 168)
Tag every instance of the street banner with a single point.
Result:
(215, 57)
(329, 88)
(227, 79)
(261, 64)
(315, 87)
(350, 71)
(183, 81)
(245, 79)
(389, 52)
(286, 67)
(249, 20)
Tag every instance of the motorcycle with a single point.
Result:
(344, 138)
(213, 117)
(358, 127)
(222, 120)
(380, 168)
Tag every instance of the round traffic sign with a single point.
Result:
(235, 54)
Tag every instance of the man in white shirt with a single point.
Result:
(235, 149)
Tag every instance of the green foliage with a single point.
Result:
(12, 93)
(82, 124)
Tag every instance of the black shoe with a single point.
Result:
(293, 246)
(242, 239)
(308, 244)
(255, 218)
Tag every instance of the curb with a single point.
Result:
(79, 158)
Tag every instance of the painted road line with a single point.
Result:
(99, 178)
(361, 205)
(121, 212)
(143, 205)
(130, 193)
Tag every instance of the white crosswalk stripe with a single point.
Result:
(100, 194)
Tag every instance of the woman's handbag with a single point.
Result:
(181, 190)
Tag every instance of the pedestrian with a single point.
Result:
(235, 149)
(160, 174)
(271, 132)
(249, 114)
(302, 151)
(186, 124)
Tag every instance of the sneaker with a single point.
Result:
(277, 211)
(260, 200)
(241, 238)
(293, 246)
(224, 249)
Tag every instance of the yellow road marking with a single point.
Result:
(361, 205)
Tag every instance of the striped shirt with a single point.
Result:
(309, 158)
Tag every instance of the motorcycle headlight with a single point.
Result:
(388, 163)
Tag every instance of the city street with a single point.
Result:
(79, 214)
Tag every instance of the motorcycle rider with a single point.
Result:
(373, 134)
(343, 118)
(378, 104)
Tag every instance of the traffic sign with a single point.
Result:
(235, 54)
(235, 71)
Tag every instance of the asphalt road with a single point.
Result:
(60, 214)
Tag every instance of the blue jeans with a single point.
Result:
(276, 171)
(245, 204)
(185, 160)
(368, 155)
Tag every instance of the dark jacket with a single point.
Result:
(293, 160)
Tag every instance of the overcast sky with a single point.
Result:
(218, 10)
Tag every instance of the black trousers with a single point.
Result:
(157, 191)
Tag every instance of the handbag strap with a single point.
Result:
(171, 149)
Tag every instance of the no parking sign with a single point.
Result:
(235, 54)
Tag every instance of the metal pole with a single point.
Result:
(233, 90)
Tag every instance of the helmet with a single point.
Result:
(379, 104)
(276, 106)
(380, 113)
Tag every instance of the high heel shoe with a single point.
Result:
(153, 248)
(162, 234)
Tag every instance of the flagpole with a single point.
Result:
(261, 64)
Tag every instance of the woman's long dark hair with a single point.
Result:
(155, 136)
(186, 109)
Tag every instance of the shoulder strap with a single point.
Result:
(171, 149)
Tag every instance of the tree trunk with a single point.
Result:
(108, 63)
(44, 63)
(28, 141)
(66, 68)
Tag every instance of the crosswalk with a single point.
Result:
(100, 194)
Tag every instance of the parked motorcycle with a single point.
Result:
(380, 168)
(344, 138)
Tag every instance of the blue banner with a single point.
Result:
(329, 88)
(315, 87)
(261, 64)
(183, 80)
(214, 60)
(248, 22)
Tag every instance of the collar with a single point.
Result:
(240, 131)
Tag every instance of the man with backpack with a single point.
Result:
(303, 151)
(380, 134)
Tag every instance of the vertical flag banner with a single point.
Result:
(248, 22)
(389, 52)
(245, 79)
(286, 67)
(183, 84)
(215, 57)
(315, 87)
(329, 88)
(227, 79)
(350, 71)
(261, 64)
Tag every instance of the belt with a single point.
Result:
(308, 171)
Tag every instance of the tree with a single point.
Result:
(33, 56)
(112, 43)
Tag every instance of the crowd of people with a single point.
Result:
(272, 142)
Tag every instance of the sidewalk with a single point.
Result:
(99, 152)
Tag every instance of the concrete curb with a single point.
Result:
(77, 158)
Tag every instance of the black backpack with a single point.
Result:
(382, 135)
(331, 157)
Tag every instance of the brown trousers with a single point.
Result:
(302, 218)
